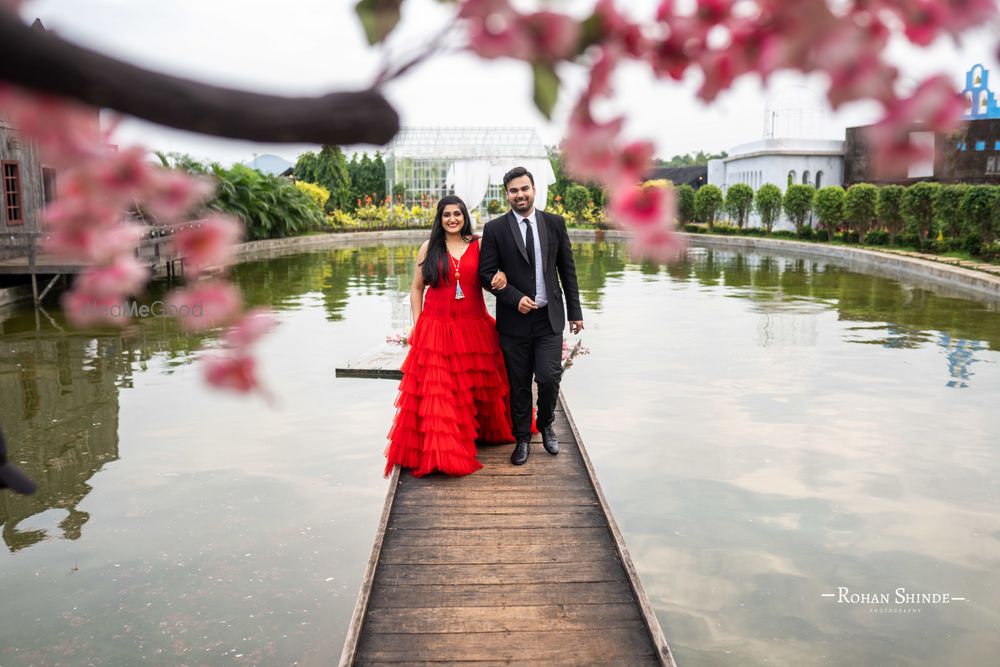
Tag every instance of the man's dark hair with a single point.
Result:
(517, 172)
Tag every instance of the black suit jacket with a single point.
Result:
(502, 249)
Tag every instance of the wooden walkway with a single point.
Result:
(520, 565)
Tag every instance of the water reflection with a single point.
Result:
(765, 428)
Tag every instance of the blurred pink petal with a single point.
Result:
(617, 29)
(93, 244)
(935, 105)
(81, 211)
(551, 36)
(65, 131)
(205, 305)
(633, 164)
(208, 243)
(124, 173)
(173, 193)
(237, 373)
(588, 149)
(124, 276)
(634, 207)
(250, 328)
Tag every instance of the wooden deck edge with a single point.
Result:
(367, 373)
(350, 651)
(649, 616)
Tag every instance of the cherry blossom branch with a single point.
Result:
(46, 63)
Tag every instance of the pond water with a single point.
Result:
(769, 432)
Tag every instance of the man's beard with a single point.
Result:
(525, 206)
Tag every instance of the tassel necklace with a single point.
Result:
(456, 263)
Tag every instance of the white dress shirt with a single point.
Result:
(541, 296)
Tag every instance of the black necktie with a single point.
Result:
(529, 245)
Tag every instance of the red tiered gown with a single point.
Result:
(454, 388)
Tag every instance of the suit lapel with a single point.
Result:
(543, 238)
(516, 231)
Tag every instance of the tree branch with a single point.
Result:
(43, 62)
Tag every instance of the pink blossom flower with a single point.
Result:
(617, 31)
(173, 193)
(124, 174)
(208, 243)
(250, 328)
(588, 148)
(237, 373)
(93, 244)
(551, 36)
(496, 30)
(635, 207)
(124, 276)
(205, 305)
(633, 164)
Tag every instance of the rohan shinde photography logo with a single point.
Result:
(131, 309)
(899, 601)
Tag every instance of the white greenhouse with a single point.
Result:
(425, 163)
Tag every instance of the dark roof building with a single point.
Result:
(695, 176)
(970, 154)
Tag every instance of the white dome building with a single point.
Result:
(790, 152)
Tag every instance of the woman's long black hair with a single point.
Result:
(434, 264)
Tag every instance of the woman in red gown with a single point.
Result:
(454, 389)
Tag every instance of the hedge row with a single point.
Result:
(927, 216)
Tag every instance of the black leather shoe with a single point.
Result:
(520, 455)
(549, 440)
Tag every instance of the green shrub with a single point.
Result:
(269, 206)
(859, 207)
(494, 207)
(822, 235)
(577, 200)
(877, 237)
(707, 204)
(888, 210)
(972, 244)
(739, 203)
(948, 209)
(917, 207)
(908, 240)
(979, 209)
(829, 205)
(797, 204)
(850, 236)
(685, 203)
(767, 203)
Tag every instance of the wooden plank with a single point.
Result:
(460, 520)
(503, 500)
(608, 644)
(507, 537)
(530, 553)
(501, 595)
(621, 661)
(508, 573)
(487, 511)
(537, 618)
(649, 616)
(349, 653)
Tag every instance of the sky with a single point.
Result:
(308, 47)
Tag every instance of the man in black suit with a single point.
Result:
(530, 247)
